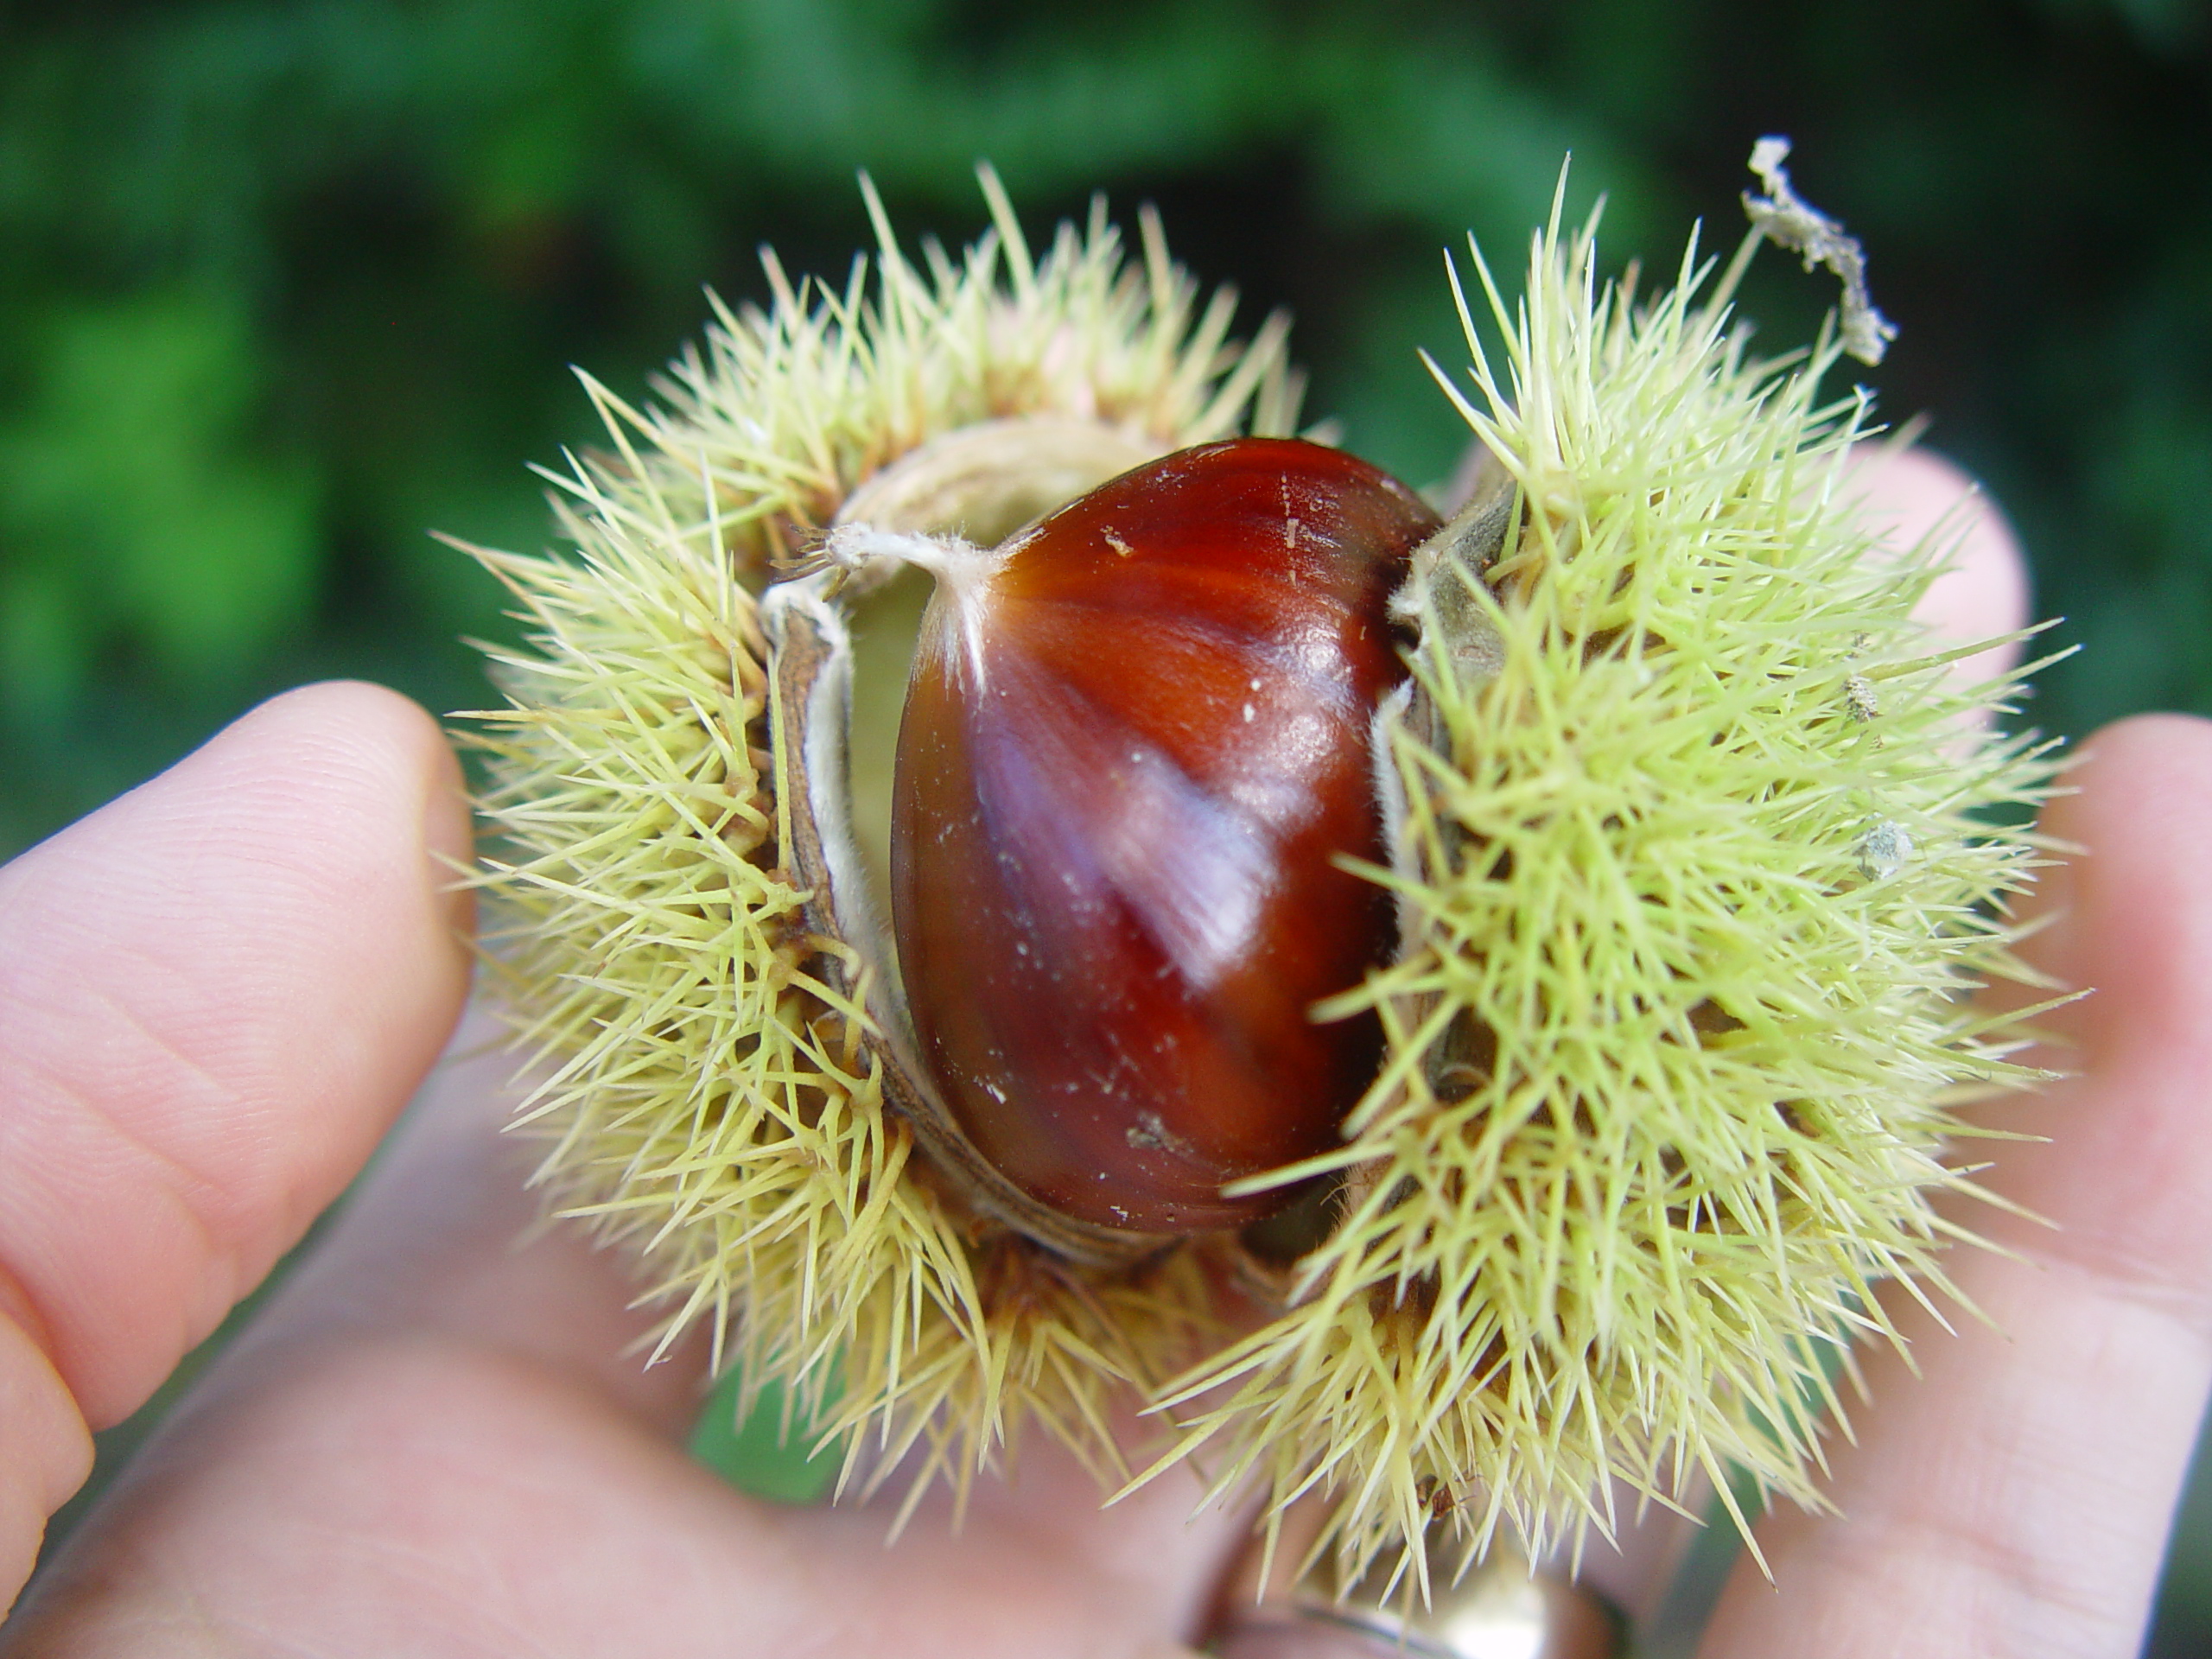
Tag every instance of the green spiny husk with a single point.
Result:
(1693, 888)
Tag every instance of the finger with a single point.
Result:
(2014, 1497)
(1912, 495)
(214, 995)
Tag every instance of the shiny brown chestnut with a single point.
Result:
(1135, 744)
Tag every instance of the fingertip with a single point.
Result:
(2131, 914)
(368, 738)
(1913, 494)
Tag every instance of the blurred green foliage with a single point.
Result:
(283, 286)
(766, 1452)
(286, 285)
(132, 503)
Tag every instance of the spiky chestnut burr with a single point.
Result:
(1671, 1053)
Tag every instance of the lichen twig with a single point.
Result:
(1787, 220)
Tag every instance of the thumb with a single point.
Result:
(215, 994)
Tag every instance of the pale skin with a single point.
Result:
(218, 994)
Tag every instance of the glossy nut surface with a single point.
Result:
(1135, 739)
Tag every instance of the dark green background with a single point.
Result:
(282, 287)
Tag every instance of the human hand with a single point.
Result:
(216, 995)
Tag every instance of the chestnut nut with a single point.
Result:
(1135, 750)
